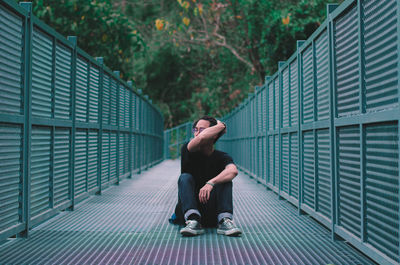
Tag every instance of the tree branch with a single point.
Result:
(237, 55)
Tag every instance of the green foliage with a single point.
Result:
(185, 73)
(102, 31)
(208, 78)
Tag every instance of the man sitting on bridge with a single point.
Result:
(205, 183)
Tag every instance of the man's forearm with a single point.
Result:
(212, 132)
(228, 174)
(207, 136)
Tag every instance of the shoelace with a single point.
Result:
(191, 223)
(229, 223)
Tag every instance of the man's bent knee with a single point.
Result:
(184, 178)
(224, 186)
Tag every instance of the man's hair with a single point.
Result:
(212, 121)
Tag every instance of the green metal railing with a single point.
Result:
(69, 126)
(174, 138)
(323, 132)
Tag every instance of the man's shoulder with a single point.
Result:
(185, 151)
(184, 147)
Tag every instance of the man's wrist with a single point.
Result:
(210, 183)
(223, 123)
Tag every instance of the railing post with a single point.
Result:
(280, 124)
(139, 136)
(362, 109)
(267, 176)
(73, 40)
(130, 151)
(331, 69)
(26, 182)
(300, 117)
(87, 131)
(315, 116)
(398, 98)
(116, 73)
(100, 120)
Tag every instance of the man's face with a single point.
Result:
(200, 126)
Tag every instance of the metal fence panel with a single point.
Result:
(271, 106)
(42, 53)
(294, 165)
(322, 76)
(126, 153)
(308, 86)
(381, 54)
(62, 143)
(294, 92)
(40, 170)
(11, 33)
(308, 169)
(106, 100)
(121, 150)
(113, 101)
(105, 159)
(10, 174)
(347, 58)
(133, 147)
(94, 95)
(133, 111)
(286, 98)
(323, 170)
(285, 163)
(121, 105)
(382, 187)
(276, 162)
(113, 157)
(264, 110)
(82, 94)
(271, 158)
(127, 113)
(349, 179)
(259, 112)
(92, 146)
(62, 96)
(259, 156)
(276, 103)
(81, 161)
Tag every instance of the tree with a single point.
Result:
(102, 31)
(257, 33)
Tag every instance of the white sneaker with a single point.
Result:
(228, 228)
(192, 228)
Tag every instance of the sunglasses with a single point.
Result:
(194, 130)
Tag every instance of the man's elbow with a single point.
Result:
(234, 171)
(195, 144)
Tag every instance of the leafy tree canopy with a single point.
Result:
(102, 30)
(192, 57)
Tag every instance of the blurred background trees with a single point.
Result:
(191, 57)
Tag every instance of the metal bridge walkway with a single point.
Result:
(128, 224)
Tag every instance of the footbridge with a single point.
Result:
(88, 176)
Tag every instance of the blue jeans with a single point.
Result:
(217, 207)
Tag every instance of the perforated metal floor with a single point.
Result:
(128, 224)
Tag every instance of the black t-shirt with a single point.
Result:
(201, 166)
